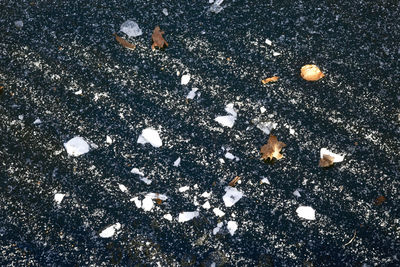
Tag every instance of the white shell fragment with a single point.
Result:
(76, 146)
(231, 196)
(187, 216)
(131, 28)
(110, 231)
(185, 79)
(58, 197)
(177, 162)
(218, 212)
(229, 120)
(151, 136)
(192, 93)
(306, 212)
(336, 157)
(232, 226)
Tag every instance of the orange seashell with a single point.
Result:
(311, 73)
(271, 79)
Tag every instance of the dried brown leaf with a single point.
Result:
(124, 42)
(379, 200)
(158, 39)
(272, 149)
(270, 79)
(326, 161)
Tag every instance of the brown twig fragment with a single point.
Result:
(234, 181)
(124, 42)
(326, 161)
(270, 79)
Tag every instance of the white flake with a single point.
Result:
(37, 121)
(229, 155)
(206, 205)
(157, 195)
(147, 203)
(266, 127)
(79, 92)
(216, 229)
(177, 162)
(306, 212)
(218, 212)
(165, 11)
(21, 117)
(265, 180)
(185, 79)
(206, 194)
(231, 196)
(232, 227)
(262, 109)
(110, 231)
(151, 136)
(136, 171)
(19, 24)
(268, 42)
(229, 108)
(137, 201)
(216, 7)
(192, 93)
(109, 140)
(76, 146)
(187, 216)
(131, 28)
(297, 193)
(227, 121)
(183, 188)
(336, 157)
(168, 217)
(58, 197)
(145, 180)
(275, 54)
(122, 188)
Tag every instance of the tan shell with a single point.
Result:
(311, 73)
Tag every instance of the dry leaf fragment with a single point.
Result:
(124, 42)
(157, 39)
(379, 200)
(158, 201)
(272, 149)
(234, 181)
(311, 73)
(326, 161)
(270, 79)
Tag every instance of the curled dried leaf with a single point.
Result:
(272, 149)
(158, 201)
(311, 73)
(124, 42)
(234, 181)
(326, 161)
(158, 39)
(379, 200)
(270, 79)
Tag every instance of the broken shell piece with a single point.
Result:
(311, 73)
(271, 79)
(326, 161)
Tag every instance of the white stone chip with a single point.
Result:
(216, 229)
(265, 180)
(19, 24)
(58, 197)
(147, 203)
(206, 194)
(192, 93)
(137, 171)
(109, 140)
(187, 216)
(262, 109)
(268, 42)
(306, 212)
(275, 54)
(266, 127)
(110, 231)
(137, 201)
(185, 79)
(228, 120)
(218, 212)
(297, 193)
(231, 196)
(122, 188)
(229, 155)
(37, 121)
(336, 157)
(183, 189)
(145, 180)
(206, 205)
(151, 136)
(131, 28)
(177, 162)
(168, 217)
(165, 11)
(76, 146)
(232, 226)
